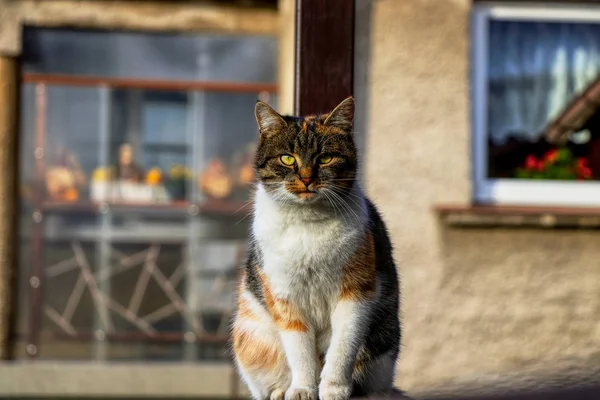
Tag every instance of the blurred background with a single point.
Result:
(128, 134)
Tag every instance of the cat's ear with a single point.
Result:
(342, 117)
(269, 121)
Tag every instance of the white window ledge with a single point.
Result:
(538, 193)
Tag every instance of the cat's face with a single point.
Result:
(306, 159)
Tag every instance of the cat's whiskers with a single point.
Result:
(246, 204)
(346, 189)
(346, 206)
(249, 213)
(330, 201)
(361, 209)
(344, 192)
(338, 205)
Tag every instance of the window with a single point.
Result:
(136, 154)
(536, 98)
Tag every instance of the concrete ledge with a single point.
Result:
(116, 379)
(482, 216)
(559, 378)
(394, 395)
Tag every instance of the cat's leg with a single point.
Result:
(349, 323)
(265, 384)
(297, 337)
(257, 391)
(374, 376)
(261, 361)
(298, 340)
(259, 352)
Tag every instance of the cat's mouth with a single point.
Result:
(306, 195)
(303, 194)
(302, 191)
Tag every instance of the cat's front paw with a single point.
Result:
(329, 390)
(277, 394)
(301, 393)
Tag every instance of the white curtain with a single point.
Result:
(535, 69)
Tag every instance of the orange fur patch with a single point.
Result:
(328, 130)
(253, 353)
(304, 127)
(244, 310)
(240, 284)
(358, 276)
(285, 315)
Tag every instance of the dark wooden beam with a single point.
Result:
(9, 97)
(324, 54)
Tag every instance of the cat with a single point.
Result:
(317, 303)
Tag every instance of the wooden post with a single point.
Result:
(324, 54)
(8, 209)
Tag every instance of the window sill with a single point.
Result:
(486, 216)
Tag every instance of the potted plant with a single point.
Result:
(178, 182)
(556, 164)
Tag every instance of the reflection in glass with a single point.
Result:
(535, 72)
(133, 200)
(150, 56)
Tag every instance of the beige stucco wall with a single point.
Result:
(481, 308)
(286, 56)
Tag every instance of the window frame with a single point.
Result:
(488, 190)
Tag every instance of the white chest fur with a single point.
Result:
(304, 253)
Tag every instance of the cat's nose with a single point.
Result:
(305, 174)
(306, 181)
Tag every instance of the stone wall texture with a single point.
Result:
(481, 307)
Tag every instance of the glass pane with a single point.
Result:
(134, 200)
(27, 187)
(60, 147)
(536, 71)
(228, 144)
(150, 56)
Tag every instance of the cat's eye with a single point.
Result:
(286, 159)
(325, 159)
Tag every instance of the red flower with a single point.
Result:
(582, 168)
(531, 162)
(585, 172)
(540, 166)
(582, 162)
(551, 156)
